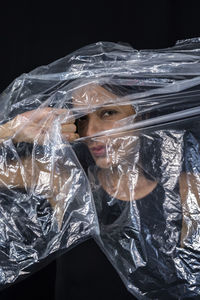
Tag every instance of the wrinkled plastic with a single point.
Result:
(130, 179)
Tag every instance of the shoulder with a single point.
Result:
(190, 202)
(189, 185)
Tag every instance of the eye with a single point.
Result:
(82, 119)
(108, 113)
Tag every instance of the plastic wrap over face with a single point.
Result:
(105, 143)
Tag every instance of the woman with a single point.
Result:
(142, 247)
(103, 119)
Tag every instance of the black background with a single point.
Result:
(36, 33)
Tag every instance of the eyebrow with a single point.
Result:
(79, 113)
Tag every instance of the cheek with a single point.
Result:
(122, 146)
(118, 150)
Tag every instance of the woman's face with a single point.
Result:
(107, 149)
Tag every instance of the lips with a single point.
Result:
(98, 151)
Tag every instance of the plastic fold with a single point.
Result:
(104, 143)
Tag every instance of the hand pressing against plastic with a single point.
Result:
(36, 124)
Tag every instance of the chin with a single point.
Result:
(110, 159)
(102, 162)
(106, 162)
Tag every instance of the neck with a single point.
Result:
(120, 171)
(126, 182)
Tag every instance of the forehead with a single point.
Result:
(92, 95)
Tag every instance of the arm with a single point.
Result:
(6, 132)
(32, 126)
(34, 172)
(189, 185)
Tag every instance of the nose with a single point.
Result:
(92, 126)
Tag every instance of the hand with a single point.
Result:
(35, 125)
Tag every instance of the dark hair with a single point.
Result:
(154, 140)
(150, 155)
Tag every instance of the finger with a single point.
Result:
(62, 116)
(44, 113)
(68, 128)
(67, 118)
(71, 137)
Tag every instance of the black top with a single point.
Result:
(135, 238)
(140, 238)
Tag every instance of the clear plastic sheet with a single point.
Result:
(105, 143)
